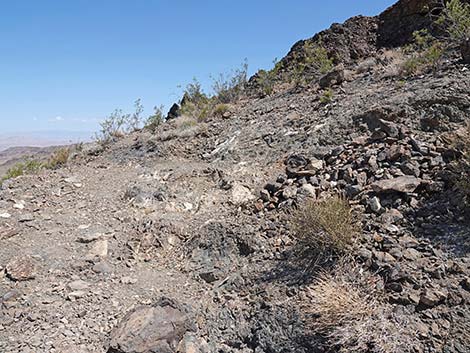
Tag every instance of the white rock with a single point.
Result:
(241, 194)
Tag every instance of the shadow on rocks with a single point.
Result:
(443, 219)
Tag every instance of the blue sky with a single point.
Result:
(65, 65)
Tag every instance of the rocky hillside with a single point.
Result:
(328, 215)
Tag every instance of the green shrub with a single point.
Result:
(154, 120)
(327, 96)
(195, 102)
(266, 80)
(118, 123)
(228, 87)
(313, 62)
(424, 53)
(58, 159)
(28, 167)
(325, 228)
(220, 109)
(455, 20)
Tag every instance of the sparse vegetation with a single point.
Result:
(227, 87)
(349, 308)
(221, 109)
(455, 20)
(325, 228)
(154, 120)
(266, 80)
(118, 123)
(58, 159)
(314, 62)
(195, 102)
(425, 53)
(30, 166)
(327, 96)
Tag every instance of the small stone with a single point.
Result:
(404, 184)
(411, 254)
(241, 194)
(289, 192)
(26, 218)
(21, 269)
(78, 285)
(76, 295)
(102, 267)
(309, 190)
(374, 205)
(89, 238)
(431, 298)
(128, 280)
(99, 249)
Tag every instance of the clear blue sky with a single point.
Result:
(66, 64)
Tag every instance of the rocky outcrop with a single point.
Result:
(397, 24)
(346, 43)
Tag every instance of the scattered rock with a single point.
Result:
(21, 269)
(148, 329)
(241, 194)
(99, 249)
(403, 184)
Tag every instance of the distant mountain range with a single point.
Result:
(43, 138)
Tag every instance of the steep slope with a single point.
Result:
(182, 240)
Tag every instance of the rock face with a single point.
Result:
(151, 329)
(397, 24)
(465, 50)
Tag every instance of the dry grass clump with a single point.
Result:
(325, 228)
(349, 308)
(59, 158)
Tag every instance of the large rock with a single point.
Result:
(465, 50)
(403, 184)
(151, 329)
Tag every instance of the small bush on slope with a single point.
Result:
(58, 159)
(325, 228)
(349, 308)
(228, 87)
(119, 123)
(455, 20)
(27, 167)
(425, 53)
(154, 120)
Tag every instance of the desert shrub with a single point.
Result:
(227, 87)
(327, 96)
(423, 54)
(454, 18)
(118, 123)
(220, 109)
(58, 159)
(313, 62)
(154, 120)
(29, 166)
(348, 306)
(266, 80)
(195, 102)
(325, 228)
